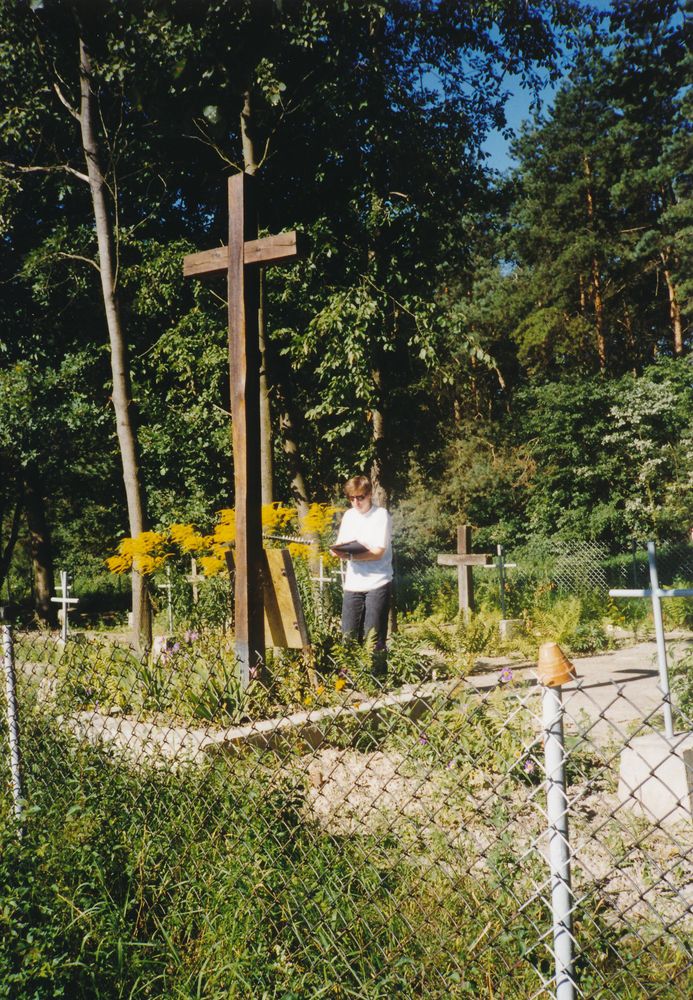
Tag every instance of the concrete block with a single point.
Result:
(656, 778)
(510, 628)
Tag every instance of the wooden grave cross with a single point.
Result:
(240, 261)
(464, 559)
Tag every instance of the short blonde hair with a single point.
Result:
(358, 484)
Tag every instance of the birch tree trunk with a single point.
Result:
(379, 471)
(297, 483)
(41, 550)
(122, 395)
(13, 535)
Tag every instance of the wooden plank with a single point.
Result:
(285, 624)
(280, 249)
(466, 559)
(214, 261)
(244, 374)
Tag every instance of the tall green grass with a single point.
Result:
(217, 883)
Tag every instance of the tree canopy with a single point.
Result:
(518, 343)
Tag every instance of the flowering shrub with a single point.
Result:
(149, 551)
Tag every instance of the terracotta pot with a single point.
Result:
(553, 666)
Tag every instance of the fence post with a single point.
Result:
(661, 642)
(553, 670)
(501, 578)
(12, 720)
(633, 560)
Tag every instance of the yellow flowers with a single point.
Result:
(149, 551)
(225, 531)
(145, 554)
(187, 539)
(298, 550)
(319, 519)
(339, 684)
(276, 518)
(213, 564)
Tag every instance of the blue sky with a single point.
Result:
(518, 110)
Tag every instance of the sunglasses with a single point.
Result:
(358, 496)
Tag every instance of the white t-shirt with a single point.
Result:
(374, 530)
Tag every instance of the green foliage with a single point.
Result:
(677, 612)
(430, 286)
(682, 684)
(463, 640)
(574, 622)
(96, 902)
(123, 884)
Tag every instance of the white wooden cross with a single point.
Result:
(501, 566)
(193, 578)
(322, 578)
(168, 586)
(65, 601)
(656, 594)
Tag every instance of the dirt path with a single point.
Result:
(616, 689)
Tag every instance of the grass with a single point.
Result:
(215, 886)
(219, 883)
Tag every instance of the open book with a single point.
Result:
(349, 548)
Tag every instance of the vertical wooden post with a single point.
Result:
(465, 580)
(241, 261)
(244, 361)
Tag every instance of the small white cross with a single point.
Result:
(193, 578)
(656, 594)
(168, 586)
(65, 600)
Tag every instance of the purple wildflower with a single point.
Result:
(506, 675)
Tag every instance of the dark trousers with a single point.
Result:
(366, 611)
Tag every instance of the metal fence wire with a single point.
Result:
(337, 833)
(579, 567)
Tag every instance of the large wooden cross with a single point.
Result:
(464, 559)
(239, 261)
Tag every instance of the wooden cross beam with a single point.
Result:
(240, 261)
(464, 559)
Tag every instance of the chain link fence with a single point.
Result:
(335, 833)
(566, 567)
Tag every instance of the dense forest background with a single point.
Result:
(509, 350)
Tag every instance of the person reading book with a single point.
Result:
(365, 541)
